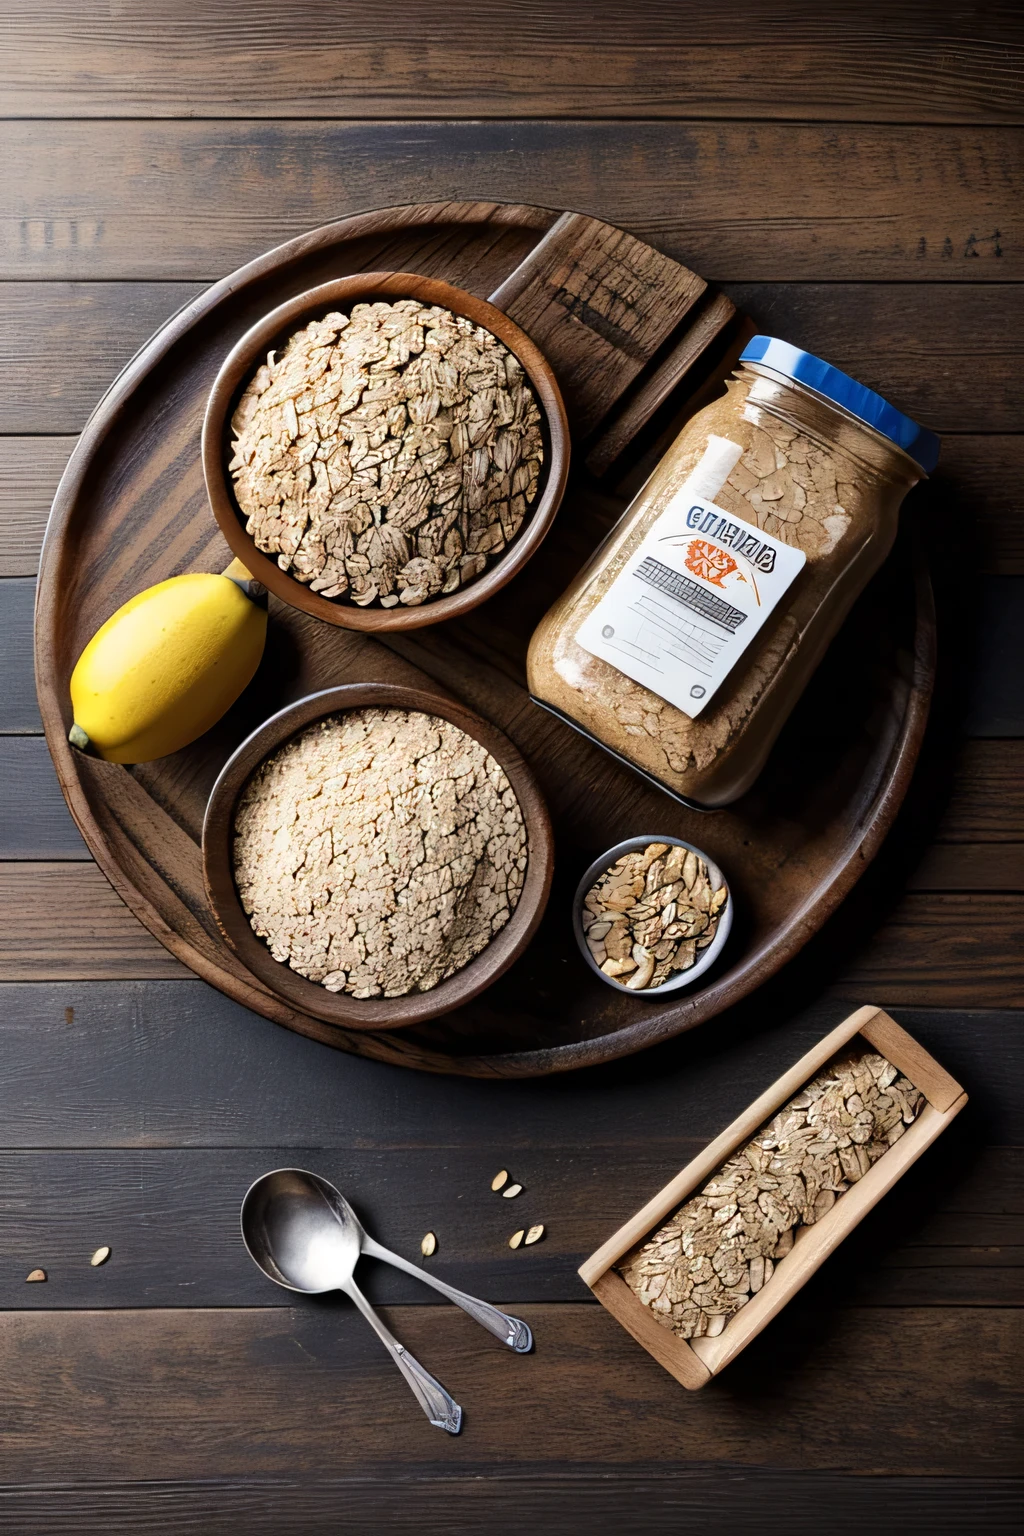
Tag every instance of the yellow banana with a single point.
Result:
(166, 666)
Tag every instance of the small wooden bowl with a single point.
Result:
(273, 332)
(309, 996)
(707, 956)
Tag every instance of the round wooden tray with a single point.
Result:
(635, 340)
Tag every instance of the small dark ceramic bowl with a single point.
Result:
(309, 996)
(706, 957)
(272, 332)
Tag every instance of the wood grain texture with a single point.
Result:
(935, 947)
(221, 1393)
(177, 1064)
(738, 202)
(19, 709)
(64, 342)
(978, 476)
(69, 916)
(970, 867)
(30, 468)
(599, 303)
(661, 59)
(948, 1234)
(563, 1501)
(95, 327)
(986, 803)
(958, 336)
(35, 822)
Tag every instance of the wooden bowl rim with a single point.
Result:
(242, 361)
(708, 957)
(340, 1008)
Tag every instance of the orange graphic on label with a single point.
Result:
(709, 562)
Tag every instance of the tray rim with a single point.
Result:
(674, 1019)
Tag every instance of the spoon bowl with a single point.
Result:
(300, 1231)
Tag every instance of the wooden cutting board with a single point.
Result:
(637, 342)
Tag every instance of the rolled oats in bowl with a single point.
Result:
(388, 454)
(378, 851)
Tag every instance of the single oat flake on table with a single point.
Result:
(719, 1248)
(378, 851)
(388, 454)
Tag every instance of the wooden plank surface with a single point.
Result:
(35, 822)
(855, 182)
(762, 200)
(662, 58)
(67, 915)
(709, 1500)
(230, 1392)
(62, 343)
(937, 1240)
(30, 468)
(120, 1064)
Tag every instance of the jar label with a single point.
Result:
(692, 597)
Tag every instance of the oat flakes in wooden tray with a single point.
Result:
(629, 333)
(710, 1260)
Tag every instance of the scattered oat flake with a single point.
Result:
(99, 1257)
(35, 1274)
(511, 1192)
(517, 1238)
(534, 1235)
(499, 1179)
(428, 1245)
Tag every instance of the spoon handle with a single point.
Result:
(510, 1330)
(438, 1405)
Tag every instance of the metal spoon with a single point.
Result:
(510, 1330)
(302, 1234)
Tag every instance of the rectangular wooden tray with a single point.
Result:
(694, 1362)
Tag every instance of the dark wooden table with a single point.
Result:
(852, 178)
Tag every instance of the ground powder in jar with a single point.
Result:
(388, 454)
(378, 851)
(721, 1245)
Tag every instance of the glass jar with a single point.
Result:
(684, 643)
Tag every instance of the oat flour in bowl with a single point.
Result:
(378, 851)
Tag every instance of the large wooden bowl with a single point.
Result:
(338, 1007)
(273, 332)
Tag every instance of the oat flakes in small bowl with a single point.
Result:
(652, 915)
(377, 855)
(385, 451)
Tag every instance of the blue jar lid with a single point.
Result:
(805, 368)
